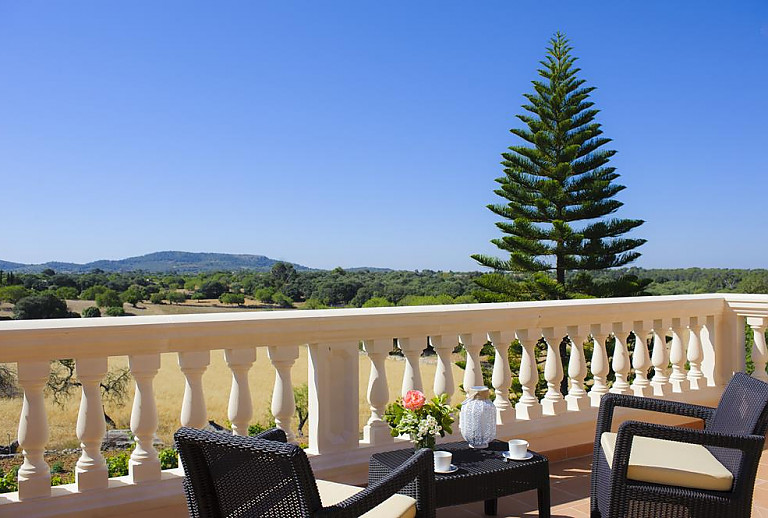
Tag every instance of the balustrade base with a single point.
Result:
(696, 383)
(679, 385)
(577, 403)
(595, 397)
(30, 488)
(147, 471)
(642, 390)
(553, 406)
(661, 389)
(528, 411)
(91, 479)
(377, 434)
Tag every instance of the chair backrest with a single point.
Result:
(743, 407)
(227, 475)
(743, 410)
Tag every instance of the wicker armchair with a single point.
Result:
(229, 475)
(731, 441)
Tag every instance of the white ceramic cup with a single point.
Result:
(443, 460)
(518, 448)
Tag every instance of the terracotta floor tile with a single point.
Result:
(569, 490)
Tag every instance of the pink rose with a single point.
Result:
(414, 400)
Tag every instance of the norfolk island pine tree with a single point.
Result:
(559, 177)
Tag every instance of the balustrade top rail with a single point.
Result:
(114, 336)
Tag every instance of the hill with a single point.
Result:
(170, 261)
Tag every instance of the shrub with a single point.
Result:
(175, 297)
(91, 312)
(312, 303)
(377, 302)
(157, 298)
(281, 300)
(116, 311)
(90, 293)
(13, 294)
(169, 459)
(8, 481)
(66, 293)
(264, 295)
(57, 467)
(232, 298)
(108, 299)
(118, 464)
(40, 306)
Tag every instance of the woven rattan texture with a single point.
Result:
(231, 476)
(734, 432)
(482, 475)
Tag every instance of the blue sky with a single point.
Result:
(364, 133)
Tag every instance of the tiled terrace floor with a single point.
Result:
(569, 486)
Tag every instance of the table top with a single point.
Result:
(470, 461)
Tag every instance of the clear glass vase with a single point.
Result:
(478, 418)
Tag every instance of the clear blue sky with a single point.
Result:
(364, 133)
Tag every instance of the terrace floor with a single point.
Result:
(569, 487)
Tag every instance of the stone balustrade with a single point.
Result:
(680, 347)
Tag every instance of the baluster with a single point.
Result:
(695, 355)
(443, 346)
(412, 349)
(759, 351)
(577, 370)
(283, 402)
(677, 358)
(553, 402)
(641, 361)
(334, 411)
(193, 365)
(620, 361)
(528, 407)
(599, 365)
(34, 474)
(502, 377)
(91, 469)
(376, 431)
(144, 465)
(660, 359)
(473, 374)
(240, 408)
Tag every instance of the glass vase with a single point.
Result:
(478, 418)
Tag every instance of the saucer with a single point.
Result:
(506, 455)
(450, 470)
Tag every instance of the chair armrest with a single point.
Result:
(610, 401)
(273, 434)
(420, 465)
(750, 445)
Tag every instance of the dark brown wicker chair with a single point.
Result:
(734, 434)
(228, 475)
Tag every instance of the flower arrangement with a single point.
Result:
(420, 419)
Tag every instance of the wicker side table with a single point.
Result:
(482, 475)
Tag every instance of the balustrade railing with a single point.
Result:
(683, 347)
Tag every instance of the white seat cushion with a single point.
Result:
(671, 463)
(396, 506)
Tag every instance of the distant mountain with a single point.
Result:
(6, 266)
(182, 262)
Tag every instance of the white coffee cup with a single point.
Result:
(443, 460)
(518, 448)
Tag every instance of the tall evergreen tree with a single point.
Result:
(558, 189)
